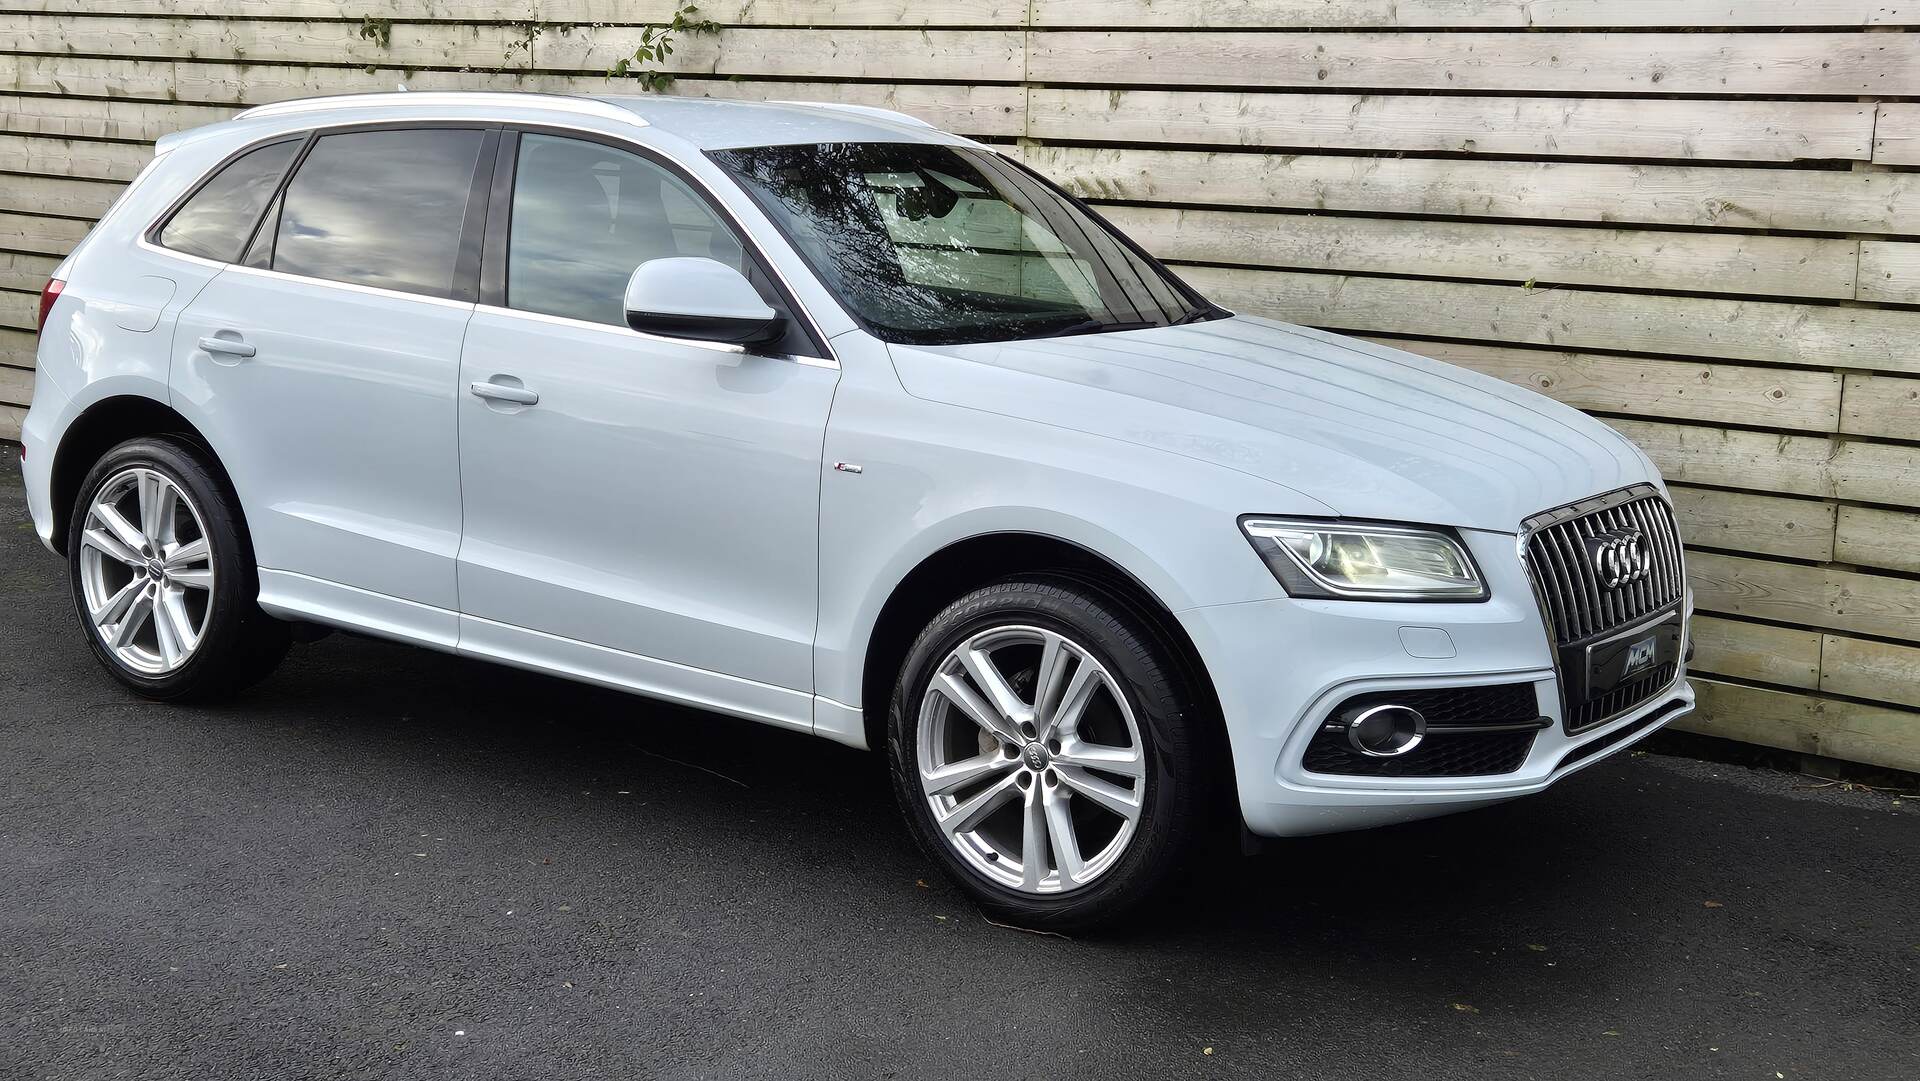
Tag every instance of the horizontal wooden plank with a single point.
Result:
(1871, 537)
(11, 417)
(1548, 254)
(1786, 656)
(1303, 14)
(17, 347)
(92, 118)
(74, 157)
(1881, 405)
(1726, 197)
(1797, 722)
(1890, 271)
(19, 311)
(1645, 386)
(1755, 524)
(1545, 127)
(1805, 465)
(45, 236)
(1775, 332)
(967, 109)
(729, 12)
(1825, 597)
(26, 273)
(966, 56)
(1876, 670)
(72, 198)
(16, 386)
(1896, 137)
(1585, 63)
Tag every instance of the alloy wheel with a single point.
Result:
(146, 571)
(1031, 759)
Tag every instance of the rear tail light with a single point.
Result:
(47, 296)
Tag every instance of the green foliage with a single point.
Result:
(378, 31)
(656, 44)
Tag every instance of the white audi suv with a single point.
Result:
(818, 416)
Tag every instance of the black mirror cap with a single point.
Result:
(709, 328)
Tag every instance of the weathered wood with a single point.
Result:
(1890, 271)
(1542, 127)
(26, 273)
(1825, 597)
(1585, 63)
(1797, 722)
(19, 310)
(90, 118)
(17, 347)
(71, 198)
(45, 236)
(74, 157)
(1787, 464)
(1896, 137)
(16, 386)
(1644, 386)
(1881, 405)
(1569, 255)
(1739, 198)
(1773, 332)
(1872, 537)
(964, 56)
(1423, 14)
(1876, 670)
(727, 12)
(11, 417)
(1782, 655)
(1755, 524)
(970, 110)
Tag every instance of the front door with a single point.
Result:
(646, 515)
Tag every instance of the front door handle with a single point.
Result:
(231, 347)
(496, 392)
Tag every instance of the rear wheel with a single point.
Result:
(1041, 749)
(163, 576)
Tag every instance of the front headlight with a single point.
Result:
(1365, 561)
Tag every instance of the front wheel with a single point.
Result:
(1042, 747)
(163, 577)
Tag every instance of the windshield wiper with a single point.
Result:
(1095, 326)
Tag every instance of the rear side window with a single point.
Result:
(381, 208)
(216, 222)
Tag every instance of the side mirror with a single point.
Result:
(700, 299)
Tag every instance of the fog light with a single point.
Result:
(1386, 731)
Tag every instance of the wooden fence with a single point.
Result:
(1694, 218)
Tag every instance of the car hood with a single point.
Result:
(1365, 430)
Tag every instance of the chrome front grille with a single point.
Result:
(1600, 566)
(1578, 602)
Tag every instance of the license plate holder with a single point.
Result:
(1624, 656)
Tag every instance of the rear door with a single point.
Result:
(323, 368)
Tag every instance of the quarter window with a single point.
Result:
(586, 214)
(382, 208)
(216, 222)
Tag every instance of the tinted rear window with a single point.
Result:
(216, 222)
(381, 208)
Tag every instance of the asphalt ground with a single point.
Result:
(389, 863)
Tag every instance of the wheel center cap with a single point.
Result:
(156, 570)
(1036, 757)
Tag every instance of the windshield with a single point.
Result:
(939, 245)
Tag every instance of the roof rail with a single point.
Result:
(444, 98)
(873, 111)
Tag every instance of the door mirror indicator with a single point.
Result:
(701, 299)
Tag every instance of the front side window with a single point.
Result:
(938, 245)
(382, 208)
(586, 214)
(216, 222)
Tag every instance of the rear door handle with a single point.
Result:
(232, 347)
(495, 392)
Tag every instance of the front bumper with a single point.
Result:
(1282, 667)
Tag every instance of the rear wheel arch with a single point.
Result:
(102, 426)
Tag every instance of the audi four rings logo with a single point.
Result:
(1620, 557)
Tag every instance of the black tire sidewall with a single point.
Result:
(235, 580)
(1162, 709)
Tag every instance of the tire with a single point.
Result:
(192, 627)
(1138, 703)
